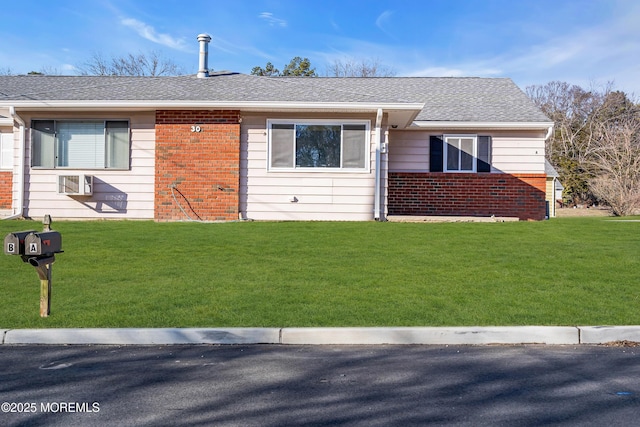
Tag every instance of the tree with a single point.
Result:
(268, 71)
(297, 67)
(152, 64)
(570, 107)
(596, 144)
(5, 71)
(361, 68)
(615, 160)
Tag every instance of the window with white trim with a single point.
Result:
(6, 151)
(460, 153)
(80, 144)
(318, 145)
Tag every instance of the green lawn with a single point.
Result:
(569, 271)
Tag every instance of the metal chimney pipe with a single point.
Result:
(203, 70)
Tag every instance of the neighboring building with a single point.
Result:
(224, 146)
(554, 189)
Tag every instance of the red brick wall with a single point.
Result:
(201, 170)
(468, 194)
(6, 184)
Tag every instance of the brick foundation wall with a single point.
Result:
(6, 187)
(199, 170)
(462, 194)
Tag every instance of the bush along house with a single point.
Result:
(221, 146)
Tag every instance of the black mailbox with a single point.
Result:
(44, 243)
(14, 242)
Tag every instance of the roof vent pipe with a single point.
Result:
(203, 70)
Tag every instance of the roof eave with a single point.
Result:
(463, 125)
(399, 114)
(239, 105)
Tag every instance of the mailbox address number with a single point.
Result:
(196, 128)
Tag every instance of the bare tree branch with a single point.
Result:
(359, 68)
(596, 146)
(141, 64)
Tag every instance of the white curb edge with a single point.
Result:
(433, 335)
(127, 336)
(605, 334)
(552, 335)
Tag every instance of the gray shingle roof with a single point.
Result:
(444, 99)
(550, 170)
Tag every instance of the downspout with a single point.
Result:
(549, 132)
(385, 184)
(17, 118)
(377, 137)
(552, 202)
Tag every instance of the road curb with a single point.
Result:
(434, 335)
(552, 335)
(606, 334)
(144, 336)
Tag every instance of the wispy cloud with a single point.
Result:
(606, 52)
(236, 49)
(457, 70)
(382, 22)
(272, 20)
(383, 19)
(148, 32)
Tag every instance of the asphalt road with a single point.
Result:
(275, 385)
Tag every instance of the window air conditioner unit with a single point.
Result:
(75, 185)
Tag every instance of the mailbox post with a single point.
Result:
(38, 249)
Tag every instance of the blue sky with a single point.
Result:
(584, 42)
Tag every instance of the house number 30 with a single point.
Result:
(196, 128)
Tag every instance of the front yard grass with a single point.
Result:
(569, 271)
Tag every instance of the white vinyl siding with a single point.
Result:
(327, 194)
(117, 193)
(515, 151)
(6, 151)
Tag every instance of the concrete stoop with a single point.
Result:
(444, 218)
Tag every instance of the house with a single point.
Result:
(228, 146)
(554, 189)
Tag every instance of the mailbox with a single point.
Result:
(14, 242)
(38, 249)
(44, 243)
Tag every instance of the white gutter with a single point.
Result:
(17, 118)
(377, 137)
(248, 105)
(480, 125)
(549, 132)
